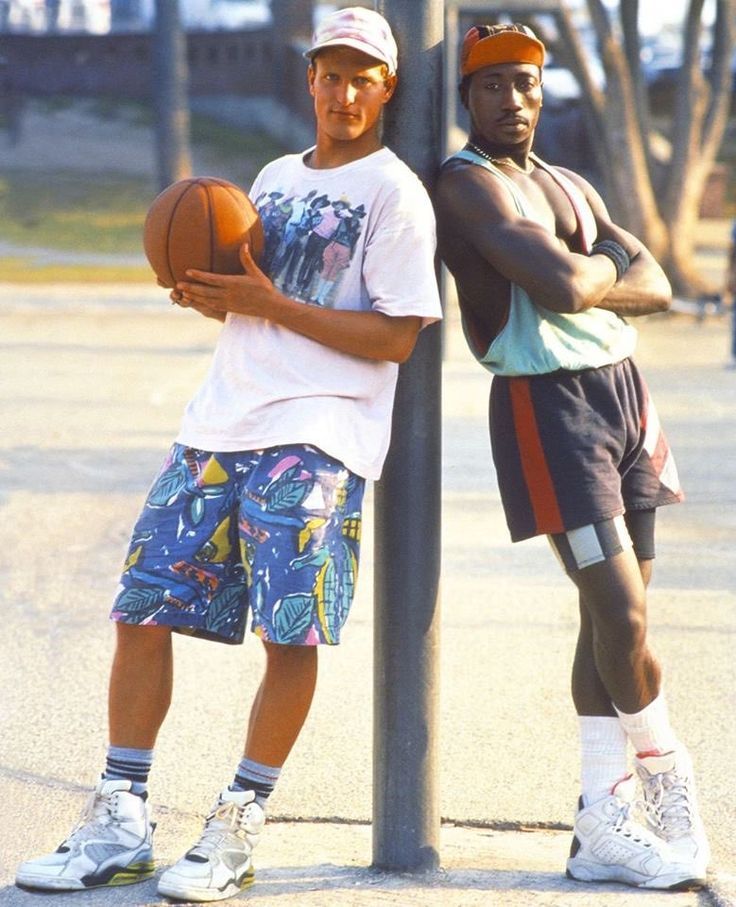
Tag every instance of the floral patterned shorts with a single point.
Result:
(276, 531)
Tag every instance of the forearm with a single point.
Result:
(370, 335)
(577, 283)
(643, 289)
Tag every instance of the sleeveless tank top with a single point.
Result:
(535, 340)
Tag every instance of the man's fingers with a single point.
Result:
(205, 277)
(199, 291)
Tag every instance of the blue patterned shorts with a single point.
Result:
(276, 531)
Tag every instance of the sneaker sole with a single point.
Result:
(187, 893)
(585, 874)
(136, 872)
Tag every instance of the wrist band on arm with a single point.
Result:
(616, 253)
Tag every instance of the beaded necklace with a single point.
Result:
(495, 160)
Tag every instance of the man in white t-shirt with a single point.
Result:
(258, 504)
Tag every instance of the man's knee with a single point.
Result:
(136, 638)
(613, 598)
(279, 654)
(620, 632)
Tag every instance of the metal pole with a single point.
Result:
(451, 76)
(171, 101)
(406, 818)
(291, 21)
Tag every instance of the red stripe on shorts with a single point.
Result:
(537, 476)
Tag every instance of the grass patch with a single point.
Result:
(233, 144)
(74, 212)
(22, 270)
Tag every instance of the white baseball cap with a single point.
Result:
(362, 29)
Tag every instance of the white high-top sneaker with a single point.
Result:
(219, 865)
(609, 846)
(110, 845)
(672, 808)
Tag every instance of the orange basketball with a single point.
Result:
(200, 223)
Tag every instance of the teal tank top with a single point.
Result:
(535, 340)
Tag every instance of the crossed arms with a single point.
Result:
(476, 213)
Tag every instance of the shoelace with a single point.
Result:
(227, 817)
(96, 816)
(667, 802)
(624, 824)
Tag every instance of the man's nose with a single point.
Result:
(347, 94)
(511, 98)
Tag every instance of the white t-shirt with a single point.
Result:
(365, 240)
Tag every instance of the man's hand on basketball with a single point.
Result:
(246, 294)
(176, 299)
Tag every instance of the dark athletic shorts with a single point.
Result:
(576, 448)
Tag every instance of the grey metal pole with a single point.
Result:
(450, 75)
(171, 101)
(406, 818)
(291, 20)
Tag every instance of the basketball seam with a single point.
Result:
(210, 216)
(169, 230)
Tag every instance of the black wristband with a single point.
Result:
(616, 253)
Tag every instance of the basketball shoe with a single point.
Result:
(610, 846)
(111, 845)
(219, 865)
(671, 806)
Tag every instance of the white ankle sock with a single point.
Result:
(649, 730)
(603, 756)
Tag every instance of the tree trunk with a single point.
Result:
(171, 102)
(667, 220)
(627, 165)
(571, 52)
(700, 121)
(629, 16)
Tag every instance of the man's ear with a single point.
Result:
(389, 84)
(310, 78)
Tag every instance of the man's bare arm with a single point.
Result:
(644, 288)
(370, 335)
(474, 205)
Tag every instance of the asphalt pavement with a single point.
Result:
(93, 381)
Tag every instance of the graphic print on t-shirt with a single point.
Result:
(309, 242)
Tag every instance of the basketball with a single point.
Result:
(200, 223)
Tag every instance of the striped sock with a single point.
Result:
(126, 763)
(257, 777)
